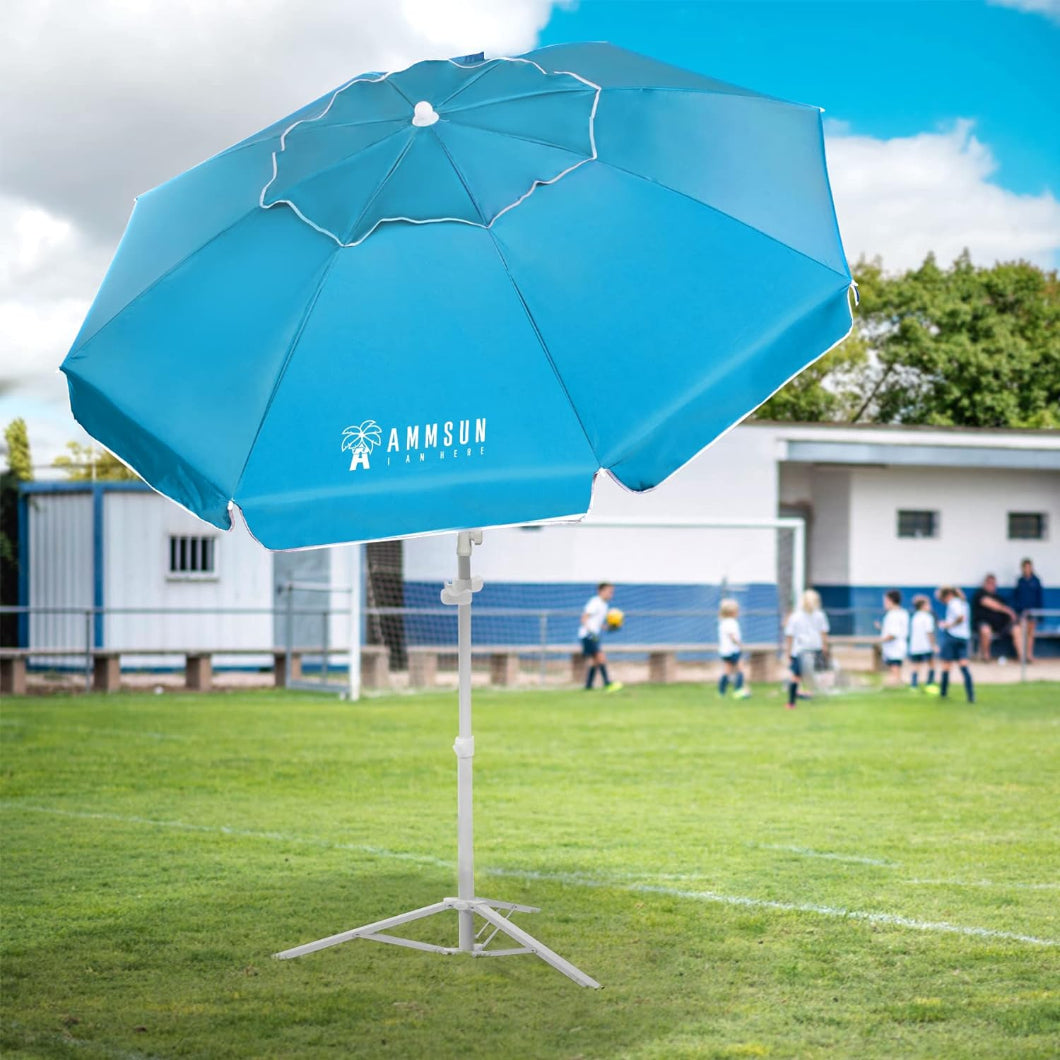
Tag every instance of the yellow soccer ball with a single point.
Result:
(615, 618)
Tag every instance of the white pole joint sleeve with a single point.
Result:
(464, 746)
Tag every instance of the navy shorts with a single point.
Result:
(893, 662)
(922, 657)
(590, 646)
(953, 649)
(796, 666)
(734, 658)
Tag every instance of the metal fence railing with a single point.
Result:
(317, 638)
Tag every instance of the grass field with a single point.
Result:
(870, 877)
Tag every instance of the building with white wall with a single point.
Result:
(116, 565)
(883, 507)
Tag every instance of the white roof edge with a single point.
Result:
(875, 434)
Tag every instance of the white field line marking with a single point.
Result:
(984, 883)
(890, 919)
(805, 852)
(571, 879)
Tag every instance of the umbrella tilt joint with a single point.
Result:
(494, 914)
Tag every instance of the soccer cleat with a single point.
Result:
(614, 686)
(741, 693)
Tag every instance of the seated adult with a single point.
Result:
(992, 617)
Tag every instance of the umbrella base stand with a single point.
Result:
(495, 915)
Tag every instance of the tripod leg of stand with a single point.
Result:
(539, 949)
(364, 932)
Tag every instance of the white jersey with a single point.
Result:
(729, 638)
(958, 609)
(921, 628)
(805, 629)
(896, 627)
(594, 613)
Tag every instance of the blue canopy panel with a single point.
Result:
(473, 426)
(696, 318)
(177, 382)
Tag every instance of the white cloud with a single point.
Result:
(901, 198)
(48, 273)
(103, 99)
(1049, 8)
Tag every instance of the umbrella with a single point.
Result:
(446, 298)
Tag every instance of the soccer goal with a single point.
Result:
(670, 577)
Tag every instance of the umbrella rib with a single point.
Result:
(487, 67)
(350, 229)
(167, 273)
(723, 213)
(460, 176)
(580, 87)
(541, 341)
(530, 140)
(336, 164)
(292, 346)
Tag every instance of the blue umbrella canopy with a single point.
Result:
(447, 297)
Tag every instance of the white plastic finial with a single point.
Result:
(424, 114)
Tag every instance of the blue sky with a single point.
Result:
(890, 69)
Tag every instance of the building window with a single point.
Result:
(192, 557)
(918, 524)
(1026, 526)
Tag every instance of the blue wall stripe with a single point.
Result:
(23, 566)
(97, 561)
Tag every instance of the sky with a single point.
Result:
(941, 120)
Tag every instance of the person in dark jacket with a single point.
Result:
(1028, 597)
(992, 617)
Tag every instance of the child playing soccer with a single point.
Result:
(805, 631)
(953, 644)
(922, 645)
(729, 647)
(592, 625)
(894, 636)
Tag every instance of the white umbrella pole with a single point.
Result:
(496, 916)
(356, 558)
(459, 592)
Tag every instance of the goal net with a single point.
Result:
(669, 578)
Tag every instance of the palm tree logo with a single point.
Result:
(361, 439)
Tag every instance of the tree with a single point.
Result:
(89, 463)
(19, 462)
(965, 346)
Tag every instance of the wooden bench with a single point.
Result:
(375, 664)
(198, 664)
(504, 659)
